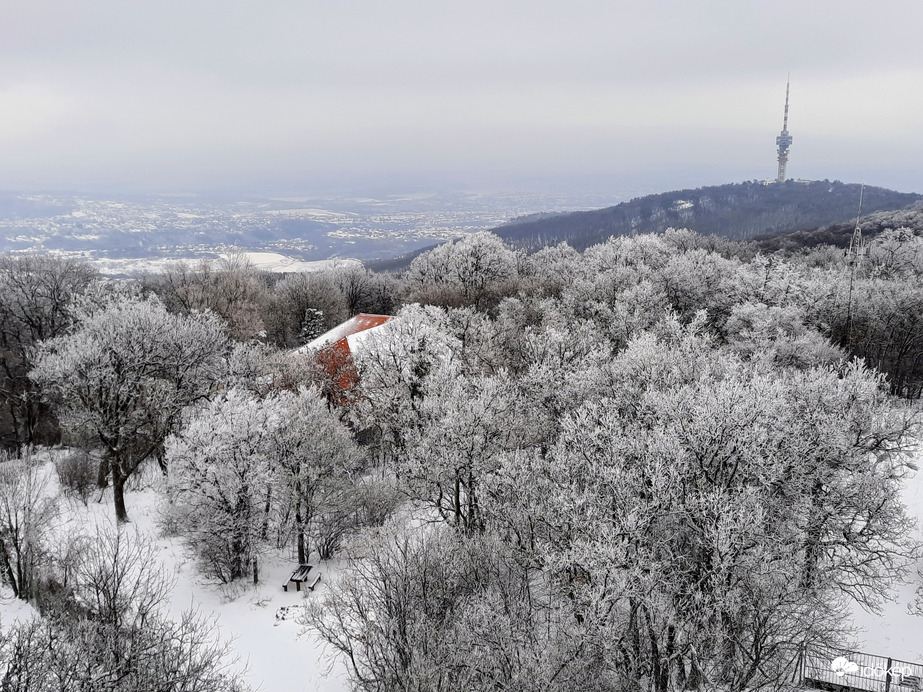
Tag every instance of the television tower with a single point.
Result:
(854, 257)
(784, 140)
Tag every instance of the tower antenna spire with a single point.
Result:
(856, 247)
(854, 256)
(784, 140)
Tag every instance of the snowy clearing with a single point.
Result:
(894, 632)
(279, 658)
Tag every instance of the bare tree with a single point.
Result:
(230, 287)
(428, 609)
(355, 284)
(111, 635)
(118, 579)
(27, 514)
(294, 296)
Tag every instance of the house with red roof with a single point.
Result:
(334, 352)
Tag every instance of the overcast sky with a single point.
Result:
(189, 94)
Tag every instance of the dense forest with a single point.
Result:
(667, 462)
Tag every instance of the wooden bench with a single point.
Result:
(300, 575)
(314, 582)
(909, 681)
(825, 685)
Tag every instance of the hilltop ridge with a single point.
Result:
(739, 211)
(752, 210)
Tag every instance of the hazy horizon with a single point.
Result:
(289, 96)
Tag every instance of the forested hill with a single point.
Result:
(740, 211)
(807, 213)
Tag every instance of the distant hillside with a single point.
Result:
(839, 234)
(740, 211)
(808, 213)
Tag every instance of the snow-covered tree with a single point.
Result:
(314, 457)
(221, 479)
(548, 271)
(756, 330)
(312, 325)
(468, 424)
(245, 465)
(399, 365)
(706, 518)
(125, 374)
(896, 251)
(469, 271)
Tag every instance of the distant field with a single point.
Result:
(266, 261)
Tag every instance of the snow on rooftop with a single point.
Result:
(355, 341)
(349, 329)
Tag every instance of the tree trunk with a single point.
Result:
(299, 527)
(456, 499)
(302, 551)
(10, 574)
(161, 455)
(118, 493)
(812, 539)
(102, 473)
(267, 508)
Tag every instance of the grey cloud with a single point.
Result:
(102, 85)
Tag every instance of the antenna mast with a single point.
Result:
(854, 259)
(784, 140)
(856, 248)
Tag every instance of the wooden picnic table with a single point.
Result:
(298, 576)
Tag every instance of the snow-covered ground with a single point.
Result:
(894, 632)
(274, 262)
(265, 261)
(279, 657)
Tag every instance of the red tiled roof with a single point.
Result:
(333, 352)
(354, 325)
